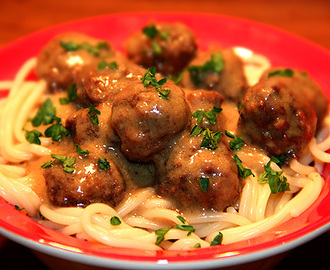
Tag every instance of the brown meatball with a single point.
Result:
(277, 117)
(309, 89)
(86, 133)
(145, 122)
(89, 183)
(59, 66)
(187, 164)
(96, 86)
(230, 81)
(170, 50)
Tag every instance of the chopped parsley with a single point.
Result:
(188, 228)
(71, 46)
(149, 78)
(67, 162)
(210, 139)
(115, 221)
(46, 114)
(243, 172)
(57, 130)
(18, 208)
(93, 114)
(71, 94)
(276, 181)
(197, 245)
(279, 160)
(236, 143)
(103, 64)
(279, 72)
(215, 64)
(79, 151)
(209, 115)
(103, 164)
(217, 240)
(161, 234)
(176, 78)
(204, 183)
(33, 136)
(152, 32)
(181, 218)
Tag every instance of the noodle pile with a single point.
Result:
(146, 221)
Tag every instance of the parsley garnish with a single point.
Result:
(18, 208)
(243, 172)
(284, 73)
(33, 136)
(71, 46)
(92, 114)
(190, 229)
(161, 234)
(115, 221)
(197, 245)
(236, 143)
(45, 115)
(57, 130)
(150, 78)
(79, 151)
(279, 160)
(217, 240)
(276, 181)
(72, 94)
(215, 64)
(103, 64)
(151, 32)
(209, 115)
(67, 162)
(204, 183)
(103, 164)
(181, 218)
(210, 139)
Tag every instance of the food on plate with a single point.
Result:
(163, 146)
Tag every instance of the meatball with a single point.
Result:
(85, 132)
(277, 117)
(307, 88)
(218, 70)
(168, 47)
(89, 183)
(145, 121)
(67, 55)
(96, 86)
(188, 168)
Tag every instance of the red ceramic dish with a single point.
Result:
(282, 49)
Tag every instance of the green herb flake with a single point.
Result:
(279, 72)
(216, 64)
(196, 130)
(33, 136)
(149, 78)
(115, 221)
(276, 181)
(243, 172)
(217, 240)
(18, 208)
(57, 130)
(79, 151)
(150, 31)
(156, 47)
(111, 65)
(210, 139)
(204, 183)
(67, 162)
(93, 114)
(46, 164)
(46, 114)
(197, 245)
(71, 46)
(236, 143)
(161, 234)
(279, 160)
(71, 94)
(181, 218)
(103, 164)
(190, 229)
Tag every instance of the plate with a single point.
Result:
(282, 49)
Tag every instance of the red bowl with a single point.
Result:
(282, 49)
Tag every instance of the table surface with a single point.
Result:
(308, 19)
